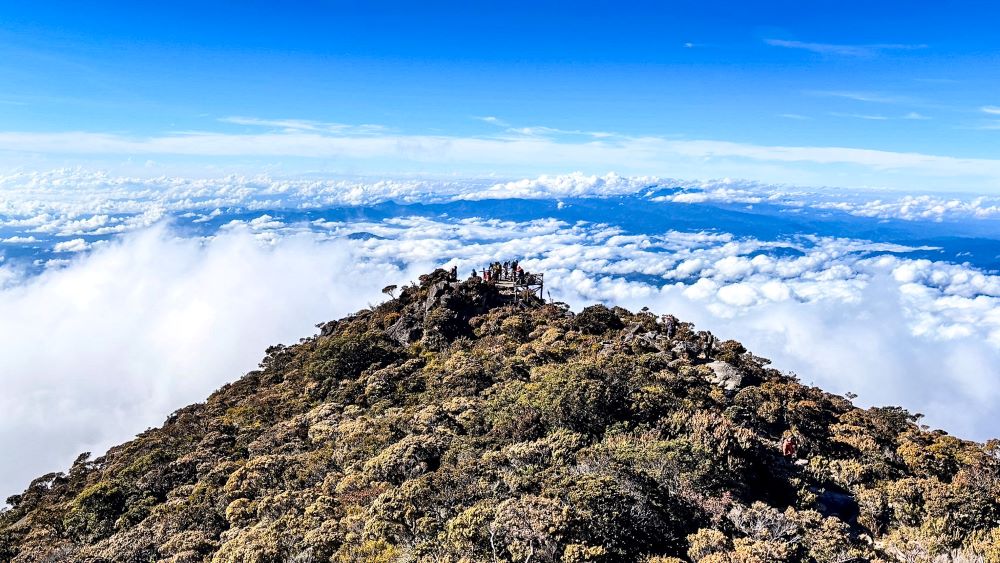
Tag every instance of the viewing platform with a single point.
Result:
(512, 281)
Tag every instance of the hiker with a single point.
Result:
(789, 446)
(454, 273)
(474, 274)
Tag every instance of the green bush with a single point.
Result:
(596, 319)
(93, 512)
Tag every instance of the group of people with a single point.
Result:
(509, 271)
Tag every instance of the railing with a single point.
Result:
(513, 285)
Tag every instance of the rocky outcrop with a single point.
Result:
(724, 375)
(438, 295)
(407, 330)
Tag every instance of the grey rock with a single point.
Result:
(646, 340)
(835, 503)
(326, 329)
(437, 294)
(406, 330)
(725, 375)
(685, 348)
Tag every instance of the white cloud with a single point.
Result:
(73, 203)
(75, 245)
(992, 110)
(874, 97)
(265, 222)
(911, 116)
(492, 120)
(567, 185)
(866, 50)
(882, 204)
(869, 117)
(649, 155)
(109, 345)
(294, 125)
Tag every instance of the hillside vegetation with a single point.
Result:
(448, 425)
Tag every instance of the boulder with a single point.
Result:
(406, 330)
(724, 375)
(437, 294)
(685, 349)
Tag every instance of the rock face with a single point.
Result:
(406, 330)
(438, 294)
(725, 375)
(449, 425)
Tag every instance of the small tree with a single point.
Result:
(596, 319)
(390, 290)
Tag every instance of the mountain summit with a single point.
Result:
(454, 422)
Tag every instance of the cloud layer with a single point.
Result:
(71, 202)
(107, 346)
(125, 333)
(520, 150)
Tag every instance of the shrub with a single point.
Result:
(596, 319)
(706, 542)
(93, 512)
(346, 355)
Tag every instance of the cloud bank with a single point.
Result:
(127, 332)
(109, 345)
(38, 206)
(521, 150)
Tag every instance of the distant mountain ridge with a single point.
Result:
(451, 424)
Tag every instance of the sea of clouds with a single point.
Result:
(115, 313)
(84, 201)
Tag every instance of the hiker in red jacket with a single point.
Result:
(789, 446)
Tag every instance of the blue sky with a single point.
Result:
(127, 86)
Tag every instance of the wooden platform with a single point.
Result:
(534, 283)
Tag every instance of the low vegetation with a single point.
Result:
(449, 425)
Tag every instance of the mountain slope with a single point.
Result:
(448, 425)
